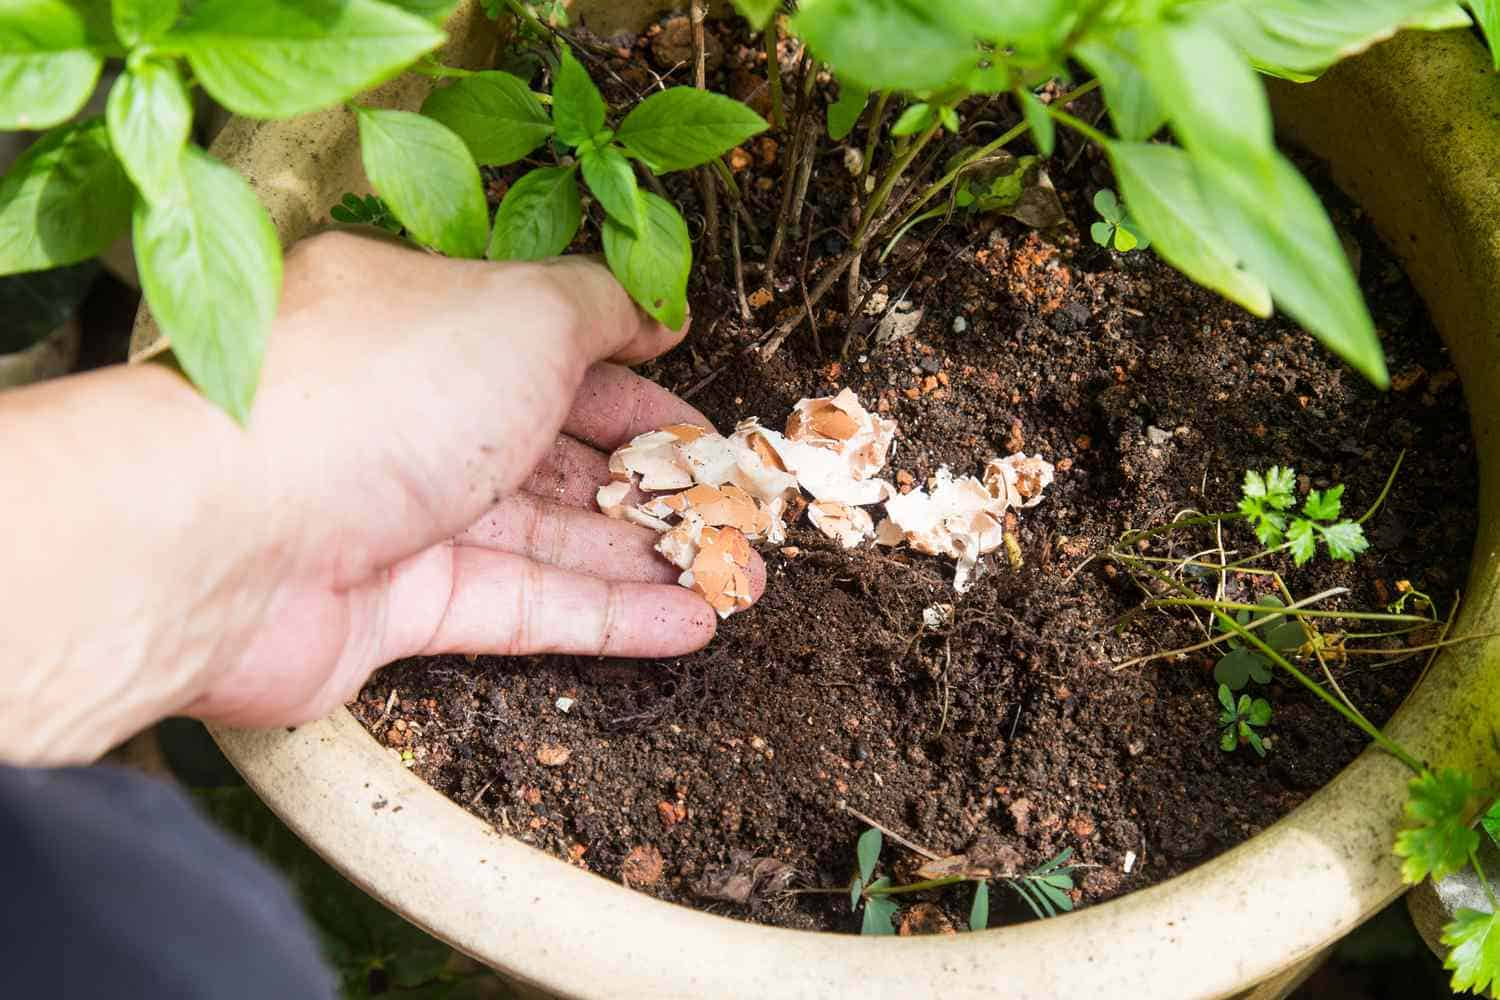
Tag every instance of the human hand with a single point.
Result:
(417, 478)
(466, 414)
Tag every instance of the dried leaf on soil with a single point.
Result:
(745, 880)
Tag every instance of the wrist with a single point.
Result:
(114, 602)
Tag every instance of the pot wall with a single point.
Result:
(1252, 915)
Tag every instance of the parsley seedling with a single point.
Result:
(1267, 499)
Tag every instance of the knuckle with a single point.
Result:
(614, 611)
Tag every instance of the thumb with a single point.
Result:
(613, 327)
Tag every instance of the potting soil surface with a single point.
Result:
(1008, 734)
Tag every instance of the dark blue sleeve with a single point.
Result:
(112, 885)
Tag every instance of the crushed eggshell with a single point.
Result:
(937, 615)
(721, 570)
(715, 495)
(1017, 479)
(656, 457)
(718, 506)
(722, 493)
(849, 526)
(963, 518)
(840, 424)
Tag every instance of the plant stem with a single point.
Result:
(1217, 606)
(727, 176)
(438, 71)
(1077, 124)
(892, 834)
(1385, 491)
(932, 883)
(773, 71)
(796, 145)
(937, 186)
(872, 139)
(739, 266)
(700, 55)
(1479, 870)
(706, 185)
(525, 13)
(889, 181)
(1200, 520)
(1390, 746)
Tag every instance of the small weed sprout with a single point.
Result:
(1242, 664)
(1045, 888)
(1115, 227)
(1239, 720)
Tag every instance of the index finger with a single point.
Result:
(614, 404)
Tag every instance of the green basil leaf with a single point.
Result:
(1030, 30)
(210, 266)
(913, 120)
(139, 21)
(1160, 187)
(495, 114)
(1275, 222)
(1043, 133)
(577, 105)
(1212, 96)
(654, 263)
(433, 10)
(887, 44)
(428, 178)
(683, 127)
(1298, 40)
(150, 116)
(279, 58)
(757, 12)
(539, 217)
(1133, 107)
(843, 114)
(612, 180)
(48, 63)
(1487, 13)
(65, 200)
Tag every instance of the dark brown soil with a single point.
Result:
(1009, 730)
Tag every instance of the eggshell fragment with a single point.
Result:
(611, 497)
(657, 458)
(840, 424)
(849, 526)
(1017, 479)
(719, 506)
(718, 494)
(720, 571)
(960, 518)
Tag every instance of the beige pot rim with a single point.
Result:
(1238, 920)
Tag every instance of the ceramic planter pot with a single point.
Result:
(1410, 130)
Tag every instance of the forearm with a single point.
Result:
(129, 503)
